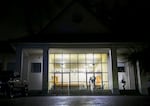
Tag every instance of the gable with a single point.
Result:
(76, 19)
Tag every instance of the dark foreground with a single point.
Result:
(77, 101)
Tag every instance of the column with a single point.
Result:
(18, 59)
(45, 70)
(114, 71)
(139, 78)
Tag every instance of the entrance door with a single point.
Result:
(66, 82)
(89, 74)
(98, 80)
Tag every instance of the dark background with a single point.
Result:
(24, 20)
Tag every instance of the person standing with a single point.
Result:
(91, 84)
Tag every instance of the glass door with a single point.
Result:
(89, 75)
(98, 80)
(66, 82)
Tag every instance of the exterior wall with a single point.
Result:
(145, 84)
(34, 79)
(25, 67)
(132, 77)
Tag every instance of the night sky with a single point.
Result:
(120, 21)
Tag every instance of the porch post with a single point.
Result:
(45, 70)
(18, 60)
(114, 71)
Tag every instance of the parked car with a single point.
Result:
(11, 85)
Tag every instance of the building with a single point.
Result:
(64, 64)
(67, 67)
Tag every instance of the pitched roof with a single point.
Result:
(75, 21)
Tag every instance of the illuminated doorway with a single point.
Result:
(70, 69)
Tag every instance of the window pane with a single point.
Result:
(81, 58)
(66, 58)
(51, 68)
(105, 85)
(58, 58)
(104, 57)
(58, 67)
(35, 67)
(74, 80)
(74, 67)
(89, 58)
(104, 67)
(98, 67)
(74, 58)
(65, 80)
(82, 68)
(98, 81)
(57, 81)
(82, 81)
(51, 58)
(51, 81)
(97, 58)
(66, 67)
(89, 67)
(105, 76)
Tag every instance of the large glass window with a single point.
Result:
(73, 70)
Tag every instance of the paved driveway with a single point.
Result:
(77, 101)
